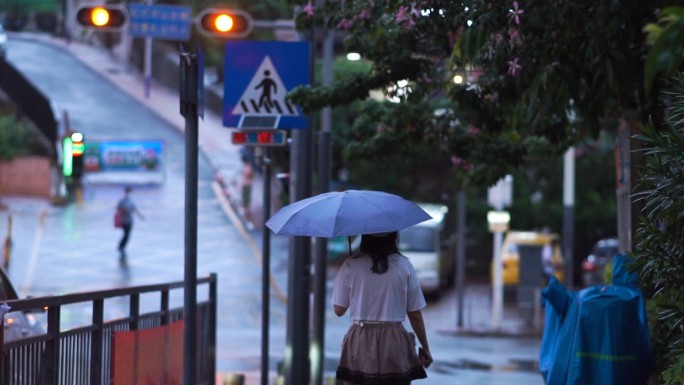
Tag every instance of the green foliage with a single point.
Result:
(442, 137)
(525, 67)
(17, 136)
(28, 6)
(665, 37)
(659, 247)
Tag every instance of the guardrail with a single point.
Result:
(81, 355)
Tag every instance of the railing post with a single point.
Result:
(3, 375)
(96, 342)
(134, 311)
(164, 307)
(52, 358)
(213, 306)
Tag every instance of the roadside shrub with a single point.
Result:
(659, 246)
(18, 136)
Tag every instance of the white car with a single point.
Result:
(18, 324)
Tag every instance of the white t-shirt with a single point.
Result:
(378, 297)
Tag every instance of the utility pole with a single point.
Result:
(498, 196)
(569, 214)
(297, 350)
(321, 254)
(147, 61)
(460, 255)
(299, 269)
(623, 189)
(189, 98)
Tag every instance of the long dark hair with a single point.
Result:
(379, 248)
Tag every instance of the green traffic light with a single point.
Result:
(68, 161)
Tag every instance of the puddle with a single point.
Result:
(513, 365)
(522, 366)
(467, 364)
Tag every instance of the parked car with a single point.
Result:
(595, 263)
(428, 248)
(528, 242)
(3, 42)
(18, 324)
(426, 245)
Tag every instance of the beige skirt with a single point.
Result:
(379, 354)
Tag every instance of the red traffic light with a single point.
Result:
(259, 138)
(102, 17)
(224, 23)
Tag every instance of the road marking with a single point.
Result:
(33, 259)
(232, 215)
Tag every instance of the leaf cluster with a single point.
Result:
(665, 38)
(659, 248)
(18, 136)
(525, 79)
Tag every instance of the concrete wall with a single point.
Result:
(26, 176)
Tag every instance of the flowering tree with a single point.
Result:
(538, 75)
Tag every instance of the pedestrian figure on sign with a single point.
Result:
(380, 288)
(267, 84)
(127, 209)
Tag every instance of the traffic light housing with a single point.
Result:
(229, 23)
(259, 138)
(73, 148)
(102, 17)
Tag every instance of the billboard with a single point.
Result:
(132, 161)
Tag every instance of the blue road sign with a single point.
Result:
(167, 22)
(258, 75)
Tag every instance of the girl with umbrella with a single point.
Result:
(380, 289)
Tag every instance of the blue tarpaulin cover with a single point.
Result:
(597, 336)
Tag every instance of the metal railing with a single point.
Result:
(81, 355)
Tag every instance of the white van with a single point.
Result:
(425, 246)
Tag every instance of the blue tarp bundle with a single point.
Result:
(597, 336)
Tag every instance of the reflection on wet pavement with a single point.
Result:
(513, 365)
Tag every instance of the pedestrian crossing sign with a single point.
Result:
(257, 77)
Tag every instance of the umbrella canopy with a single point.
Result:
(346, 213)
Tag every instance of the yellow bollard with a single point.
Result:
(79, 194)
(233, 379)
(7, 247)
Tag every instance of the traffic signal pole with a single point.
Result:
(148, 61)
(266, 268)
(296, 365)
(189, 109)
